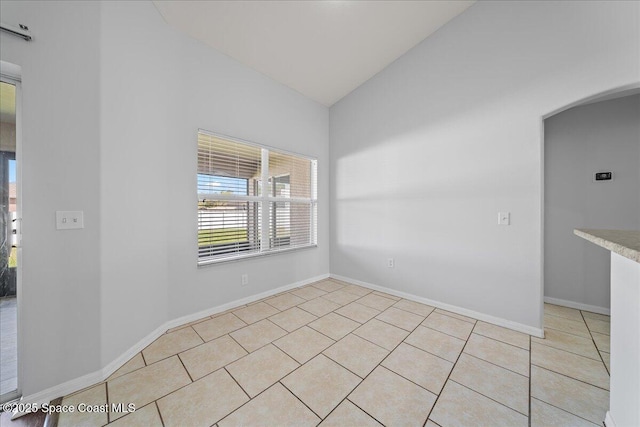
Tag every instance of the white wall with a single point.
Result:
(604, 136)
(426, 153)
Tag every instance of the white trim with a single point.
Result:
(578, 305)
(529, 330)
(47, 395)
(608, 420)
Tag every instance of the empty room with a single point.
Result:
(335, 213)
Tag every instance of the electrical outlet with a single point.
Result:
(391, 263)
(245, 279)
(67, 220)
(504, 218)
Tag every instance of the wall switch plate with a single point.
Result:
(245, 279)
(69, 220)
(391, 263)
(504, 218)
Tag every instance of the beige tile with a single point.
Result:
(319, 306)
(303, 344)
(146, 416)
(376, 301)
(136, 362)
(494, 382)
(502, 334)
(575, 366)
(603, 342)
(393, 400)
(93, 396)
(598, 326)
(261, 369)
(209, 357)
(171, 344)
(358, 312)
(383, 294)
(422, 368)
(334, 326)
(275, 407)
(356, 354)
(510, 357)
(449, 325)
(545, 415)
(328, 285)
(565, 312)
(203, 402)
(606, 357)
(596, 316)
(348, 414)
(308, 292)
(456, 315)
(321, 384)
(435, 342)
(356, 290)
(385, 335)
(575, 397)
(292, 319)
(285, 301)
(431, 424)
(414, 307)
(186, 325)
(255, 312)
(148, 384)
(341, 297)
(566, 325)
(568, 342)
(218, 326)
(257, 335)
(400, 318)
(460, 406)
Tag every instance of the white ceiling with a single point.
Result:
(322, 49)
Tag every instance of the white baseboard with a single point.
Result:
(47, 395)
(529, 330)
(608, 420)
(578, 305)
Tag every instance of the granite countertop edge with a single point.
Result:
(622, 242)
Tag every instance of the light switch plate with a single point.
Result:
(69, 220)
(504, 218)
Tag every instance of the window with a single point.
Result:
(239, 216)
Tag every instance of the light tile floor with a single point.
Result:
(335, 354)
(8, 345)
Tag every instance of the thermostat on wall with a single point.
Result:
(603, 176)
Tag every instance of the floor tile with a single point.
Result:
(203, 402)
(136, 362)
(385, 335)
(502, 334)
(545, 415)
(449, 325)
(376, 301)
(292, 319)
(186, 325)
(321, 384)
(414, 307)
(170, 344)
(460, 406)
(596, 316)
(334, 326)
(456, 315)
(569, 364)
(209, 357)
(598, 326)
(494, 382)
(275, 407)
(348, 414)
(218, 326)
(327, 285)
(418, 366)
(358, 312)
(568, 342)
(285, 301)
(603, 342)
(565, 312)
(510, 357)
(146, 416)
(319, 306)
(393, 400)
(430, 423)
(566, 325)
(255, 312)
(435, 342)
(257, 335)
(606, 357)
(261, 369)
(400, 318)
(308, 292)
(383, 294)
(357, 290)
(148, 384)
(93, 396)
(303, 344)
(341, 297)
(571, 395)
(356, 354)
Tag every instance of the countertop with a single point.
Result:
(622, 242)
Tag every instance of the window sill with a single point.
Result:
(210, 262)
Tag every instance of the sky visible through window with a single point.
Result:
(214, 184)
(12, 171)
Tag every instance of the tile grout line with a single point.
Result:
(566, 351)
(596, 345)
(568, 376)
(241, 388)
(500, 366)
(159, 413)
(296, 396)
(488, 397)
(561, 409)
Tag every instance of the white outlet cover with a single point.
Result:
(69, 220)
(504, 218)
